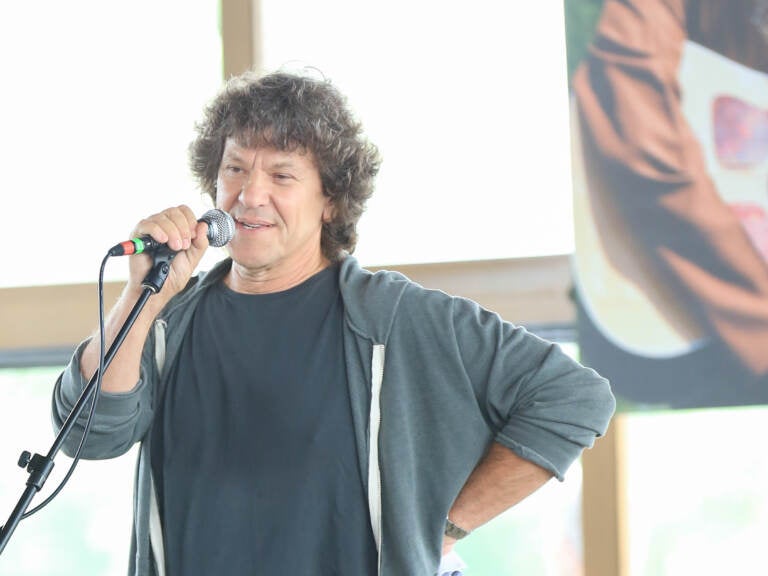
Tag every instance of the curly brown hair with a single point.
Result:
(289, 111)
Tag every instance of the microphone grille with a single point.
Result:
(221, 227)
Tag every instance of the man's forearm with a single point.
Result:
(123, 372)
(501, 480)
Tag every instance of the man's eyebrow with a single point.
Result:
(232, 156)
(281, 164)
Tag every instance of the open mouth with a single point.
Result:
(254, 225)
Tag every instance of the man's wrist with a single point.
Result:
(454, 531)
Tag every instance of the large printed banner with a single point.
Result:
(670, 175)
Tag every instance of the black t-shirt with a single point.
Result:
(253, 448)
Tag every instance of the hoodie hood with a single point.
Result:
(371, 299)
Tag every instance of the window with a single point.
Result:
(696, 491)
(469, 106)
(87, 527)
(99, 103)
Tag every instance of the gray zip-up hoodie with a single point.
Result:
(433, 380)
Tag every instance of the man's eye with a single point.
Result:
(234, 173)
(283, 177)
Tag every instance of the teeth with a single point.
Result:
(253, 225)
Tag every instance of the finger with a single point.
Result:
(173, 226)
(180, 225)
(200, 238)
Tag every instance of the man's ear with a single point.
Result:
(329, 211)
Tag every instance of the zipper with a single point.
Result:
(155, 526)
(160, 326)
(374, 426)
(155, 530)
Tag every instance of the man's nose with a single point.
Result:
(254, 191)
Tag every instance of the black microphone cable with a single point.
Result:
(92, 408)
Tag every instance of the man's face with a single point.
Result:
(276, 199)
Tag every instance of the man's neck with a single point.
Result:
(267, 280)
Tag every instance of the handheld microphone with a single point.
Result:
(221, 229)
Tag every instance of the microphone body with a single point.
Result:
(221, 229)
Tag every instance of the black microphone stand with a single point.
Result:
(39, 467)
